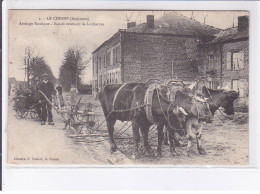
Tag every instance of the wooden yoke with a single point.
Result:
(152, 84)
(173, 86)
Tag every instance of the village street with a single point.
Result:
(32, 143)
(225, 143)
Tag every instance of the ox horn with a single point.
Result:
(183, 111)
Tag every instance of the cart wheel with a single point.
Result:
(21, 114)
(91, 124)
(89, 107)
(89, 129)
(34, 114)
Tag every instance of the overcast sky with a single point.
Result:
(51, 42)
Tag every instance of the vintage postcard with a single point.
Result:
(128, 88)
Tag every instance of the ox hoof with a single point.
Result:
(135, 156)
(113, 149)
(175, 153)
(149, 151)
(158, 155)
(178, 144)
(190, 153)
(202, 152)
(165, 142)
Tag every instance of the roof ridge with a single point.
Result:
(196, 21)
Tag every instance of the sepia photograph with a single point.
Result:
(128, 88)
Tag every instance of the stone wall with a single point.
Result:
(152, 56)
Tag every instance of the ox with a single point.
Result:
(198, 111)
(125, 102)
(215, 99)
(220, 98)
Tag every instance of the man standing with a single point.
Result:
(47, 88)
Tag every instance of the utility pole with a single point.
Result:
(172, 70)
(27, 65)
(76, 84)
(28, 72)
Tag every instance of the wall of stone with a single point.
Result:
(152, 56)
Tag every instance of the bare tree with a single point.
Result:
(74, 63)
(34, 64)
(27, 61)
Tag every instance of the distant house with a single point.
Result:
(22, 84)
(164, 48)
(226, 58)
(11, 82)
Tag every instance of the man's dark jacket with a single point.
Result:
(47, 89)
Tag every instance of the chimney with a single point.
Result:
(131, 24)
(150, 21)
(243, 23)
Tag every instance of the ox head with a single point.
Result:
(164, 91)
(221, 98)
(200, 108)
(194, 106)
(228, 103)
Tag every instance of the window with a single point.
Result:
(108, 58)
(210, 57)
(107, 78)
(211, 61)
(241, 89)
(235, 60)
(114, 55)
(211, 85)
(100, 81)
(104, 80)
(96, 67)
(118, 54)
(100, 65)
(235, 85)
(104, 61)
(93, 66)
(238, 85)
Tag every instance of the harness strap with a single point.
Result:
(148, 100)
(201, 115)
(117, 92)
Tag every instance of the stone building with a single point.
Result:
(174, 46)
(163, 48)
(226, 59)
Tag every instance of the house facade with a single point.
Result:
(160, 49)
(171, 47)
(226, 59)
(107, 63)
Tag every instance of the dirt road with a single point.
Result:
(30, 143)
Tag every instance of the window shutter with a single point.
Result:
(228, 60)
(119, 54)
(241, 89)
(241, 61)
(229, 85)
